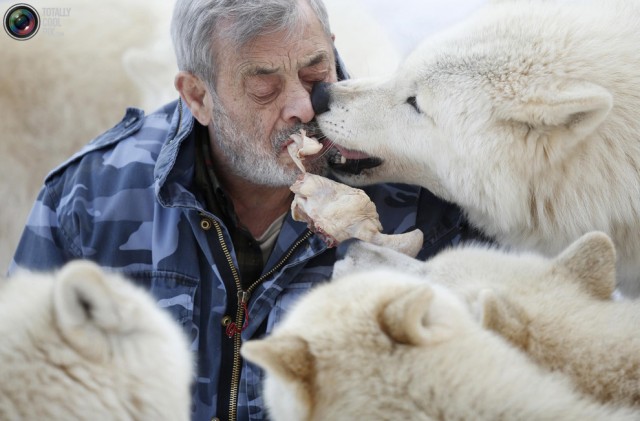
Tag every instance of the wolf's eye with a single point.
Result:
(412, 101)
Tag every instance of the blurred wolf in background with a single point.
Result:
(69, 83)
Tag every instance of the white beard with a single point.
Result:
(249, 158)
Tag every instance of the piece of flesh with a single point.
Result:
(337, 212)
(302, 146)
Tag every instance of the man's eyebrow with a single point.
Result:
(317, 59)
(265, 71)
(258, 71)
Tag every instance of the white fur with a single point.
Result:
(380, 345)
(529, 120)
(558, 310)
(58, 91)
(82, 344)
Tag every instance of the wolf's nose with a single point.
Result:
(320, 97)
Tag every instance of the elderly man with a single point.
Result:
(193, 201)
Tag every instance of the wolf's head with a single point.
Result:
(501, 113)
(349, 349)
(84, 343)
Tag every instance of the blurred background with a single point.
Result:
(91, 60)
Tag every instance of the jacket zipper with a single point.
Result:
(243, 299)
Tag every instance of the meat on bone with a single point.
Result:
(338, 212)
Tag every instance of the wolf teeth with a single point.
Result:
(338, 158)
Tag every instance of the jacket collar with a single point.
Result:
(174, 170)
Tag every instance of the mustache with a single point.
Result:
(312, 130)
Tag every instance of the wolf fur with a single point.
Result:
(82, 344)
(382, 345)
(58, 91)
(558, 310)
(527, 115)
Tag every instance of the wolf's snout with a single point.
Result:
(320, 97)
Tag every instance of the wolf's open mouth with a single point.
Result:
(349, 161)
(340, 158)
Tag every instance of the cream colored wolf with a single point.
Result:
(527, 116)
(382, 345)
(558, 310)
(85, 345)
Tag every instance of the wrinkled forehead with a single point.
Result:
(302, 42)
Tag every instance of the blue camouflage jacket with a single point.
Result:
(127, 200)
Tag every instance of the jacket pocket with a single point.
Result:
(292, 292)
(173, 292)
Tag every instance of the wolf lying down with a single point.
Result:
(392, 343)
(387, 344)
(527, 116)
(82, 344)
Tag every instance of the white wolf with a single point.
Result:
(383, 345)
(558, 310)
(82, 344)
(527, 115)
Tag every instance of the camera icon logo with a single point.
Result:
(21, 22)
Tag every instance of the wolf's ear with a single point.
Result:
(85, 308)
(284, 356)
(591, 260)
(419, 317)
(569, 109)
(504, 317)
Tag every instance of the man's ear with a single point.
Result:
(195, 94)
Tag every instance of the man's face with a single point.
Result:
(264, 89)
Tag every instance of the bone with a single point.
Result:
(338, 212)
(302, 146)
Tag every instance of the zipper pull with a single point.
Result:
(243, 297)
(232, 328)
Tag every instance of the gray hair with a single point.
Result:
(195, 23)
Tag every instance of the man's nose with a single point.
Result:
(320, 97)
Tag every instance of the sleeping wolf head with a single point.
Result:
(82, 343)
(384, 344)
